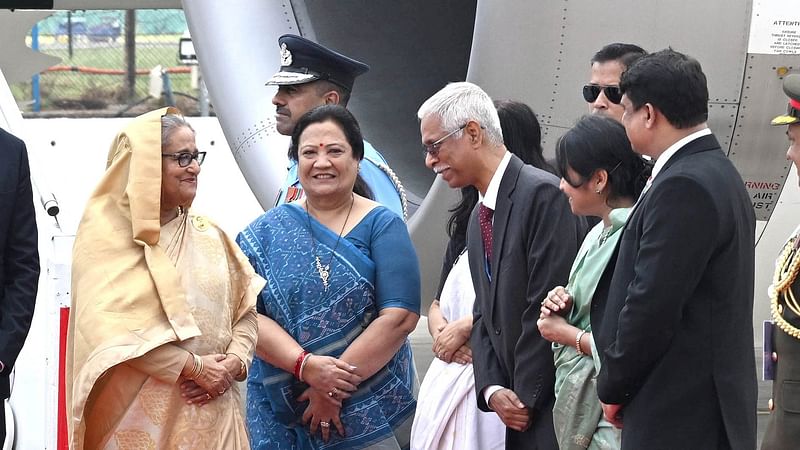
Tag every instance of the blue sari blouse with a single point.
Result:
(373, 267)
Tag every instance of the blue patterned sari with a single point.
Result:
(326, 322)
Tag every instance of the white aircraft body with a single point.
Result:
(536, 52)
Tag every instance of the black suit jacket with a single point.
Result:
(535, 238)
(19, 254)
(677, 330)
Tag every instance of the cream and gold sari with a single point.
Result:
(142, 296)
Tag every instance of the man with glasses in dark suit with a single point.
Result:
(521, 240)
(19, 258)
(602, 92)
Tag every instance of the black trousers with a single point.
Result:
(2, 424)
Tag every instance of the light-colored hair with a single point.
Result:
(171, 123)
(458, 103)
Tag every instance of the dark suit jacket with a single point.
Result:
(535, 238)
(677, 330)
(19, 254)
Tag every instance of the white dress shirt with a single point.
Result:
(490, 201)
(672, 149)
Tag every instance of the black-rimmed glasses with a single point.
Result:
(592, 91)
(433, 148)
(185, 158)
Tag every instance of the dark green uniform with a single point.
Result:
(783, 430)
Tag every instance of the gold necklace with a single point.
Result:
(324, 271)
(785, 275)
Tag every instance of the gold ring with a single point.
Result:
(331, 394)
(221, 392)
(208, 396)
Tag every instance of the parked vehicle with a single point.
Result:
(108, 30)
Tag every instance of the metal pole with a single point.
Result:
(169, 98)
(37, 98)
(69, 33)
(130, 53)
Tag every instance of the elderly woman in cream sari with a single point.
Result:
(163, 304)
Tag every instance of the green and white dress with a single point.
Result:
(577, 414)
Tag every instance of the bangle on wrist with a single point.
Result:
(303, 365)
(298, 363)
(578, 342)
(197, 367)
(242, 368)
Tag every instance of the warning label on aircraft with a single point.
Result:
(764, 195)
(775, 28)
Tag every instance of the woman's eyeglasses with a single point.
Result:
(592, 91)
(185, 158)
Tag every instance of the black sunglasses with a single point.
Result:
(185, 158)
(592, 91)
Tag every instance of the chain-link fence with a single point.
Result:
(107, 64)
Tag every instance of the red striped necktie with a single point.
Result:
(485, 220)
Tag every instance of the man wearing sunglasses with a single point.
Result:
(312, 75)
(602, 93)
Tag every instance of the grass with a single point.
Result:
(94, 90)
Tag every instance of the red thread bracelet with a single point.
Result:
(299, 363)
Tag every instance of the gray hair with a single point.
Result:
(171, 123)
(458, 103)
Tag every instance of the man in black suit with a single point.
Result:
(676, 339)
(521, 241)
(19, 257)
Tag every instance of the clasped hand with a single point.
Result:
(552, 324)
(510, 409)
(331, 380)
(320, 414)
(558, 301)
(215, 379)
(613, 414)
(451, 342)
(332, 377)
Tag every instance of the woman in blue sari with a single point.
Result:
(602, 177)
(334, 368)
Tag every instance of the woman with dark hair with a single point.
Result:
(333, 364)
(602, 177)
(522, 133)
(452, 420)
